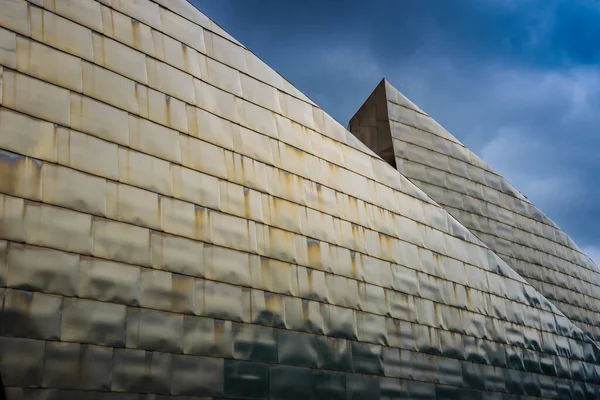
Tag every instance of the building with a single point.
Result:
(177, 221)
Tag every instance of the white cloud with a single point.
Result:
(531, 166)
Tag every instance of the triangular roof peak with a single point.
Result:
(478, 197)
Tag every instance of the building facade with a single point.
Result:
(178, 221)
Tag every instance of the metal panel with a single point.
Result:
(328, 385)
(160, 331)
(335, 354)
(245, 379)
(256, 343)
(22, 361)
(295, 348)
(94, 322)
(273, 255)
(32, 315)
(290, 383)
(40, 269)
(197, 376)
(141, 371)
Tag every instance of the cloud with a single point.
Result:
(536, 167)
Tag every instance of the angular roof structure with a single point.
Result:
(178, 221)
(483, 201)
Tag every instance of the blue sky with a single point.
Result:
(517, 81)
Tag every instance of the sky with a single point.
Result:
(517, 81)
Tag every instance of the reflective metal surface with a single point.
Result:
(486, 203)
(177, 221)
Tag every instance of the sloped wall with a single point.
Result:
(371, 126)
(487, 204)
(177, 219)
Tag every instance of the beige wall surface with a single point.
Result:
(176, 219)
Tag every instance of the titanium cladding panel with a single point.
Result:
(486, 203)
(177, 221)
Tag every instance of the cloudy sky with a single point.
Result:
(517, 81)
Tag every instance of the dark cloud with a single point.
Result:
(516, 80)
